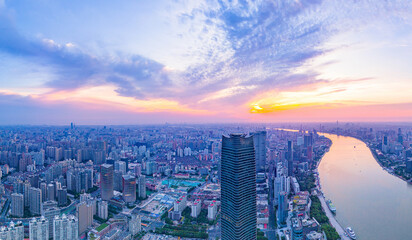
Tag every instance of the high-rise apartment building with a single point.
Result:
(26, 190)
(259, 141)
(39, 229)
(196, 208)
(50, 192)
(142, 186)
(43, 188)
(84, 215)
(106, 181)
(50, 213)
(15, 231)
(17, 204)
(120, 166)
(212, 211)
(35, 197)
(180, 204)
(65, 227)
(238, 188)
(103, 210)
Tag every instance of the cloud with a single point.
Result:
(245, 48)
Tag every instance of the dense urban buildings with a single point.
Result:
(124, 182)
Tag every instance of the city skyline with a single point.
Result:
(204, 62)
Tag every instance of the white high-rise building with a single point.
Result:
(17, 204)
(187, 151)
(65, 227)
(212, 210)
(103, 210)
(180, 204)
(15, 231)
(120, 166)
(135, 225)
(49, 213)
(196, 207)
(39, 229)
(84, 197)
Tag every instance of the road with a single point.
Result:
(332, 219)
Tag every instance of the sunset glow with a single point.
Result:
(187, 61)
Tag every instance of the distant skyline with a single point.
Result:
(142, 62)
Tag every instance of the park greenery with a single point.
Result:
(102, 226)
(261, 235)
(191, 227)
(306, 181)
(201, 219)
(317, 212)
(184, 231)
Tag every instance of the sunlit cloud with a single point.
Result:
(209, 58)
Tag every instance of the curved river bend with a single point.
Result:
(376, 204)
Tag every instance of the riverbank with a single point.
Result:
(373, 151)
(332, 220)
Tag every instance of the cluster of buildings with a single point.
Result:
(115, 182)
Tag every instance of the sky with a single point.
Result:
(204, 61)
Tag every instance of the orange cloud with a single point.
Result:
(102, 97)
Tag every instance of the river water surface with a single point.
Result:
(375, 203)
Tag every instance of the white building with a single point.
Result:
(15, 231)
(103, 210)
(50, 213)
(39, 229)
(135, 225)
(180, 204)
(65, 227)
(120, 166)
(211, 211)
(196, 207)
(188, 151)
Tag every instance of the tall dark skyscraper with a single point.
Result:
(290, 158)
(259, 140)
(106, 181)
(129, 188)
(238, 188)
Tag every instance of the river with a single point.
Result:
(375, 203)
